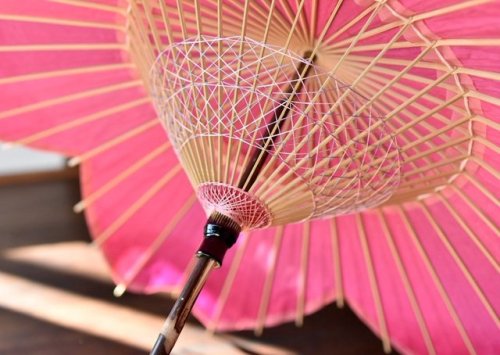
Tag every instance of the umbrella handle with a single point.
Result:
(182, 307)
(221, 233)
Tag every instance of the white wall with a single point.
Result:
(18, 160)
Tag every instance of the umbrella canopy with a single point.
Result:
(421, 270)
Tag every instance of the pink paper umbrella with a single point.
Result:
(354, 143)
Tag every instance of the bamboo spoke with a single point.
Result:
(437, 281)
(409, 289)
(460, 263)
(373, 284)
(136, 206)
(268, 285)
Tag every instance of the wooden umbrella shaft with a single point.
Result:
(182, 308)
(273, 128)
(221, 231)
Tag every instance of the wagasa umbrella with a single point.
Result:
(403, 151)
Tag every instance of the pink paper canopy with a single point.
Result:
(421, 270)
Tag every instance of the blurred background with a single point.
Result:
(56, 296)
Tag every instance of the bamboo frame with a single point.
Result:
(150, 27)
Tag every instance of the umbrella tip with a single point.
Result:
(79, 207)
(74, 162)
(340, 303)
(119, 290)
(387, 347)
(258, 331)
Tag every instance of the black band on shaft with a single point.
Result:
(221, 233)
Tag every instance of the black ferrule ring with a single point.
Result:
(228, 235)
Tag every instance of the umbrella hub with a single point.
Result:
(244, 208)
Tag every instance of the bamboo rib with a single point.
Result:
(64, 72)
(487, 144)
(134, 207)
(152, 26)
(92, 5)
(166, 22)
(484, 97)
(405, 44)
(472, 236)
(460, 263)
(304, 266)
(481, 188)
(477, 211)
(373, 284)
(106, 113)
(236, 94)
(208, 159)
(437, 281)
(93, 196)
(266, 292)
(194, 159)
(153, 248)
(486, 166)
(267, 102)
(63, 47)
(409, 289)
(113, 142)
(330, 20)
(62, 22)
(337, 264)
(71, 97)
(323, 118)
(415, 18)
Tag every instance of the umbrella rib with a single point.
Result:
(460, 263)
(267, 103)
(480, 187)
(478, 212)
(372, 8)
(210, 169)
(63, 47)
(92, 5)
(103, 114)
(229, 149)
(153, 248)
(416, 17)
(62, 22)
(134, 207)
(488, 144)
(64, 72)
(92, 197)
(405, 44)
(139, 24)
(152, 26)
(409, 289)
(472, 236)
(301, 32)
(71, 97)
(304, 264)
(313, 53)
(337, 264)
(484, 97)
(113, 142)
(486, 166)
(437, 281)
(386, 341)
(268, 284)
(191, 156)
(339, 101)
(228, 282)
